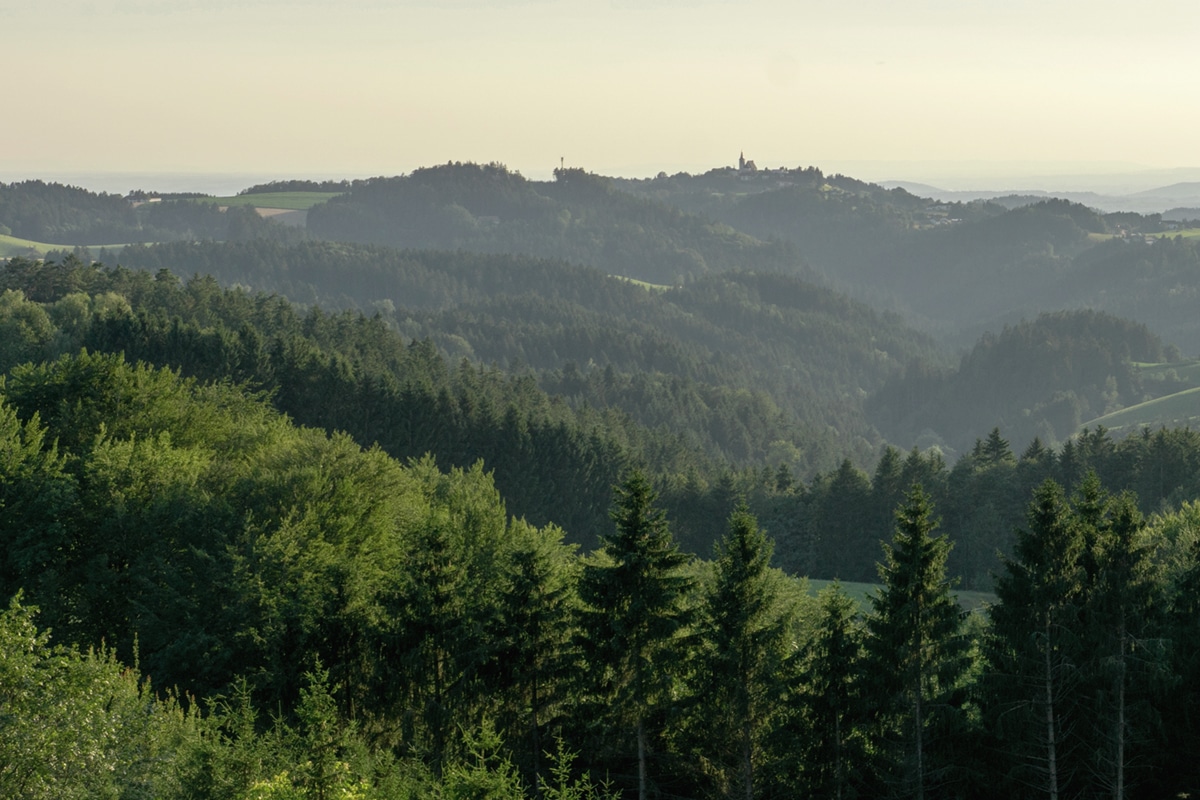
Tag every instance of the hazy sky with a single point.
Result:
(369, 87)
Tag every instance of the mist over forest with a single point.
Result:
(747, 483)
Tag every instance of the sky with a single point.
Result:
(935, 90)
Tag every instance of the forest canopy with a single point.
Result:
(527, 489)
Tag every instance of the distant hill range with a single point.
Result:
(1177, 202)
(788, 315)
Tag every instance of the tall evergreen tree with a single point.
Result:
(1035, 650)
(1182, 709)
(844, 540)
(746, 631)
(534, 626)
(832, 751)
(1128, 657)
(633, 612)
(916, 654)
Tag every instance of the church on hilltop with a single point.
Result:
(745, 166)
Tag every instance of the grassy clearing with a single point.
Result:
(1174, 410)
(862, 592)
(11, 246)
(1186, 233)
(292, 201)
(1179, 408)
(1188, 371)
(654, 287)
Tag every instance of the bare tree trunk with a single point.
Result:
(747, 762)
(1119, 791)
(641, 737)
(837, 759)
(920, 749)
(537, 743)
(1119, 788)
(1051, 739)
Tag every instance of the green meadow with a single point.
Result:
(1174, 410)
(1188, 371)
(292, 201)
(654, 287)
(11, 246)
(862, 592)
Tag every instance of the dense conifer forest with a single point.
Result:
(573, 494)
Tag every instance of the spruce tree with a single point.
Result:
(916, 654)
(634, 609)
(1182, 708)
(745, 634)
(1035, 651)
(1128, 657)
(831, 746)
(533, 628)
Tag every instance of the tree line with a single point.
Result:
(747, 362)
(68, 215)
(556, 454)
(324, 617)
(324, 621)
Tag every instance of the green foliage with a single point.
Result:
(534, 628)
(1128, 658)
(1041, 378)
(563, 785)
(79, 725)
(25, 330)
(51, 212)
(36, 494)
(349, 617)
(484, 773)
(831, 724)
(748, 631)
(633, 614)
(1077, 658)
(278, 196)
(1036, 647)
(579, 217)
(341, 616)
(68, 215)
(738, 362)
(917, 657)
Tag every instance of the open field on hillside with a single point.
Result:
(11, 246)
(1186, 233)
(1179, 408)
(1174, 410)
(654, 287)
(293, 201)
(1185, 371)
(861, 593)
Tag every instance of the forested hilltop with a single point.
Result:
(578, 217)
(38, 212)
(498, 515)
(957, 269)
(554, 460)
(752, 367)
(339, 624)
